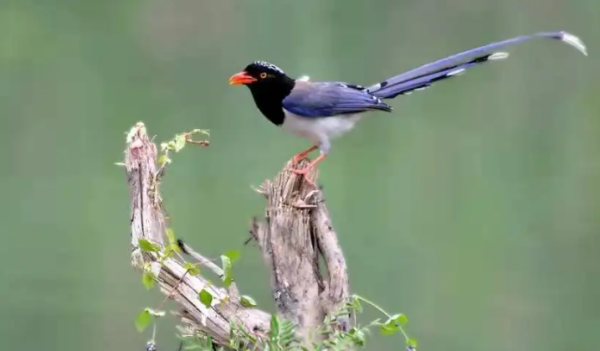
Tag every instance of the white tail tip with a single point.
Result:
(456, 72)
(574, 41)
(498, 56)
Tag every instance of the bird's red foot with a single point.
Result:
(304, 171)
(302, 155)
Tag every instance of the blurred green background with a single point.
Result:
(473, 208)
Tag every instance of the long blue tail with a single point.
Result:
(422, 77)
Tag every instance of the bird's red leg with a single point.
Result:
(302, 155)
(312, 165)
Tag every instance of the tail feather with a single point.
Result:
(422, 77)
(426, 80)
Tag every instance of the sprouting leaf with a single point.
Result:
(147, 246)
(179, 142)
(233, 255)
(143, 320)
(163, 160)
(387, 329)
(274, 332)
(355, 305)
(357, 336)
(227, 271)
(169, 251)
(286, 332)
(173, 244)
(412, 343)
(164, 146)
(398, 319)
(170, 235)
(393, 324)
(148, 280)
(192, 269)
(247, 301)
(156, 313)
(205, 297)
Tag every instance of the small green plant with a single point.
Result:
(282, 334)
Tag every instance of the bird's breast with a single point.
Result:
(318, 128)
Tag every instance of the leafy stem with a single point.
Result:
(392, 324)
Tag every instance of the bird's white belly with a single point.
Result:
(317, 129)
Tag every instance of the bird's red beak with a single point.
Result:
(241, 78)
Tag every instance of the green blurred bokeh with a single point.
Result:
(472, 208)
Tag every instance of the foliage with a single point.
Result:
(282, 334)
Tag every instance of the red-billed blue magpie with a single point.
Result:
(320, 111)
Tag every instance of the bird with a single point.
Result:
(322, 111)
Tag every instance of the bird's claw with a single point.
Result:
(304, 173)
(296, 159)
(300, 171)
(303, 154)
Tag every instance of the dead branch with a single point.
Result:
(295, 232)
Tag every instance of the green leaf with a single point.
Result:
(173, 245)
(179, 142)
(233, 255)
(170, 235)
(412, 343)
(205, 297)
(192, 269)
(227, 271)
(148, 280)
(386, 329)
(163, 159)
(169, 252)
(147, 246)
(398, 319)
(355, 305)
(393, 324)
(143, 320)
(357, 336)
(286, 333)
(274, 332)
(247, 301)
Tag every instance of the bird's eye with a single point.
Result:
(263, 75)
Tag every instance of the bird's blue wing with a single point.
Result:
(324, 99)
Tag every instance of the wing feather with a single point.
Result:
(324, 99)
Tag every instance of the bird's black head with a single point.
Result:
(268, 84)
(262, 75)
